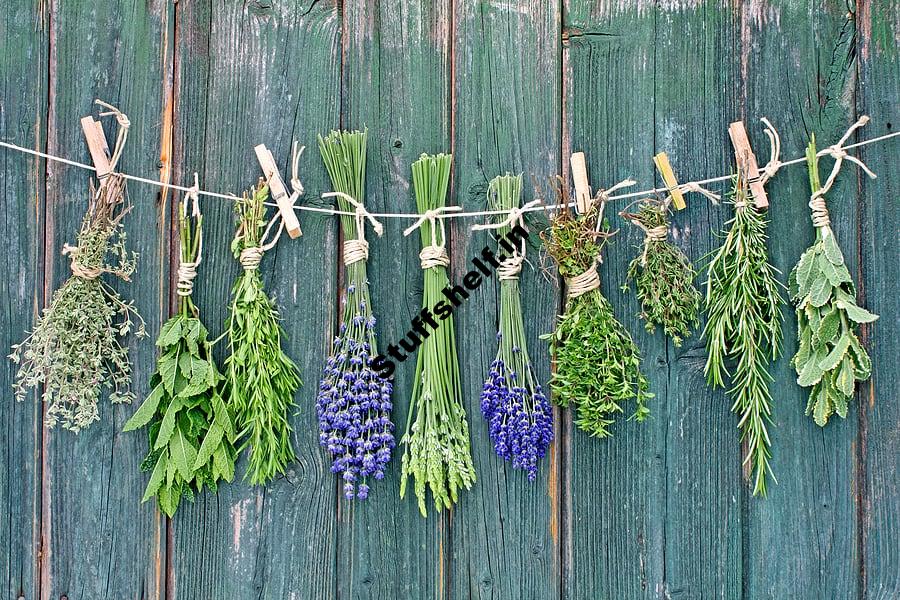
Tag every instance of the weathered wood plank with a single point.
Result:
(799, 73)
(248, 74)
(23, 121)
(505, 532)
(879, 444)
(99, 541)
(396, 82)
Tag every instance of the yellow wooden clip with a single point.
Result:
(580, 179)
(746, 162)
(665, 169)
(278, 190)
(98, 148)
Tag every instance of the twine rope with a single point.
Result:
(510, 268)
(121, 134)
(77, 268)
(583, 282)
(434, 254)
(355, 250)
(187, 270)
(651, 234)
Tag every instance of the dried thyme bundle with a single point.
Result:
(437, 453)
(262, 379)
(192, 435)
(597, 362)
(830, 357)
(663, 276)
(75, 349)
(743, 304)
(354, 400)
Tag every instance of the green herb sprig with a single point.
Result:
(75, 349)
(597, 362)
(192, 434)
(262, 379)
(743, 304)
(436, 454)
(663, 277)
(830, 357)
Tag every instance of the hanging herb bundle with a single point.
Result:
(743, 304)
(192, 435)
(262, 379)
(512, 400)
(830, 357)
(354, 401)
(663, 277)
(597, 362)
(437, 453)
(75, 350)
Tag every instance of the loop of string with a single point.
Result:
(77, 268)
(510, 268)
(651, 234)
(693, 186)
(297, 188)
(603, 196)
(774, 164)
(355, 250)
(187, 270)
(121, 134)
(583, 283)
(434, 254)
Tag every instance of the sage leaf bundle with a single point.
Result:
(436, 442)
(262, 379)
(192, 434)
(830, 357)
(354, 401)
(75, 349)
(663, 277)
(597, 362)
(512, 400)
(743, 305)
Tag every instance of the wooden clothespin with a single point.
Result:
(278, 190)
(665, 169)
(97, 146)
(746, 162)
(582, 187)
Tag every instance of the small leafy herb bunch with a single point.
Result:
(437, 453)
(743, 331)
(192, 434)
(663, 276)
(354, 401)
(512, 401)
(597, 362)
(262, 379)
(75, 350)
(830, 357)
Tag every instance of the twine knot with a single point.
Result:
(187, 272)
(434, 256)
(355, 251)
(510, 268)
(819, 210)
(583, 282)
(693, 186)
(78, 269)
(251, 257)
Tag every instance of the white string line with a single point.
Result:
(480, 213)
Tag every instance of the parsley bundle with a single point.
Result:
(830, 357)
(262, 379)
(663, 277)
(743, 303)
(192, 434)
(597, 362)
(437, 453)
(75, 349)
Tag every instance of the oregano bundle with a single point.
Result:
(597, 362)
(830, 357)
(192, 434)
(75, 349)
(743, 331)
(663, 277)
(262, 379)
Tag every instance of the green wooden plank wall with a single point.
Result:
(661, 510)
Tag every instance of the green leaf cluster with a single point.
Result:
(597, 362)
(664, 280)
(830, 357)
(743, 305)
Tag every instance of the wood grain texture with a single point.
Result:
(99, 542)
(506, 120)
(23, 114)
(879, 445)
(248, 74)
(396, 82)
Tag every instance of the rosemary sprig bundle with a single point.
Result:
(262, 379)
(192, 435)
(663, 277)
(512, 401)
(597, 362)
(830, 357)
(75, 349)
(437, 454)
(743, 303)
(354, 401)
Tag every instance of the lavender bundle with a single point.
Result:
(512, 401)
(354, 401)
